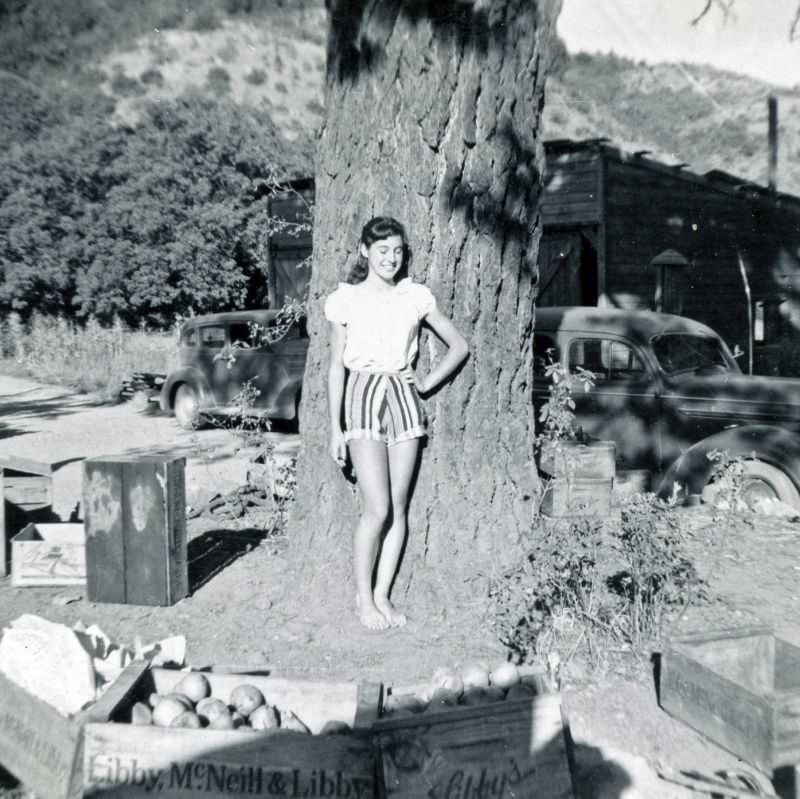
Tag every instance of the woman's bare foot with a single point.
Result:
(393, 616)
(369, 615)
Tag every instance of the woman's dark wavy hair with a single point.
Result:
(379, 227)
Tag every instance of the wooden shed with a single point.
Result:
(624, 230)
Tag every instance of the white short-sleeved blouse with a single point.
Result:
(382, 326)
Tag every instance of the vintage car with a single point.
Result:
(668, 391)
(221, 353)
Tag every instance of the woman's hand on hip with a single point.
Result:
(338, 447)
(413, 379)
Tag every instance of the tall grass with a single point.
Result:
(88, 357)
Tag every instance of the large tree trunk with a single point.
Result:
(433, 116)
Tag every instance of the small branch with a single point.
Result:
(793, 29)
(705, 11)
(724, 5)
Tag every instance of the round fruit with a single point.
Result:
(264, 717)
(188, 719)
(475, 676)
(210, 707)
(195, 686)
(167, 710)
(246, 698)
(410, 702)
(334, 727)
(505, 675)
(182, 698)
(222, 721)
(449, 680)
(141, 714)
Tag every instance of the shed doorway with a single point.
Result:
(567, 269)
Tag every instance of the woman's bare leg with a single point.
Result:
(371, 466)
(402, 462)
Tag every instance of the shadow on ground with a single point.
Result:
(214, 550)
(30, 404)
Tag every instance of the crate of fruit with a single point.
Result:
(738, 687)
(180, 733)
(475, 732)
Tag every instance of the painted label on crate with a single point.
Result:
(478, 783)
(699, 697)
(23, 737)
(233, 779)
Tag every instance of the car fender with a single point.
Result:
(190, 376)
(773, 445)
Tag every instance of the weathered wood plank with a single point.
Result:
(503, 749)
(39, 745)
(725, 712)
(103, 520)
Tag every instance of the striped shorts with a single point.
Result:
(383, 407)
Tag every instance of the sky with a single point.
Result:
(753, 39)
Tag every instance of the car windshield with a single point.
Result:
(688, 352)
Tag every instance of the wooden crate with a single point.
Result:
(38, 745)
(134, 761)
(509, 748)
(48, 554)
(597, 459)
(26, 495)
(135, 517)
(578, 496)
(741, 689)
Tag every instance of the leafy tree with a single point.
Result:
(143, 222)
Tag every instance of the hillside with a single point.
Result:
(698, 115)
(271, 55)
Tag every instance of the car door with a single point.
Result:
(208, 360)
(255, 361)
(624, 405)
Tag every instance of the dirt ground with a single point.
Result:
(242, 608)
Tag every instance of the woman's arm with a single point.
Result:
(338, 448)
(457, 350)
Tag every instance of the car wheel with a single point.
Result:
(762, 481)
(186, 407)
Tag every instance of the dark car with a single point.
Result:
(221, 353)
(668, 392)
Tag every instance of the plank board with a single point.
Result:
(502, 749)
(39, 745)
(105, 550)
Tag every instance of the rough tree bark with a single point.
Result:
(433, 116)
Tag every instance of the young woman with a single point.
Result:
(374, 319)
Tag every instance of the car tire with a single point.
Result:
(763, 481)
(186, 407)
